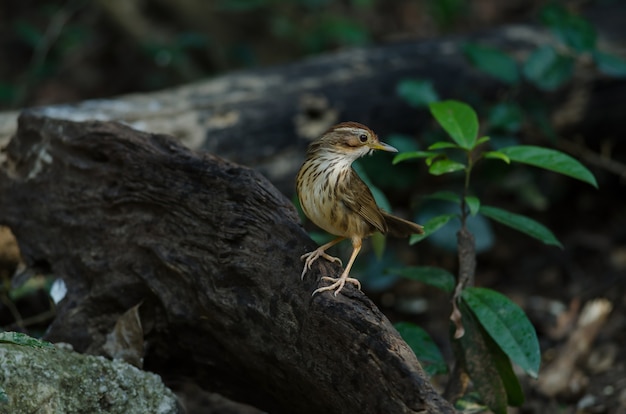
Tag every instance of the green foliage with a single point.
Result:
(496, 331)
(550, 160)
(417, 93)
(522, 224)
(571, 29)
(487, 365)
(445, 236)
(432, 226)
(423, 346)
(507, 325)
(493, 61)
(610, 64)
(440, 167)
(547, 69)
(473, 203)
(413, 155)
(459, 120)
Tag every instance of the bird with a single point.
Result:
(334, 197)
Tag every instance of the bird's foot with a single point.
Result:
(313, 256)
(338, 284)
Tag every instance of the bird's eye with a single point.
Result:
(363, 138)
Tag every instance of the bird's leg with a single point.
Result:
(320, 251)
(339, 283)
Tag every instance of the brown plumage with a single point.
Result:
(334, 197)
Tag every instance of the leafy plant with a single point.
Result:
(549, 66)
(490, 331)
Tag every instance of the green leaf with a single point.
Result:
(547, 69)
(429, 161)
(458, 119)
(417, 93)
(446, 196)
(473, 203)
(23, 339)
(573, 30)
(550, 159)
(445, 166)
(507, 325)
(497, 155)
(493, 62)
(482, 140)
(521, 223)
(432, 226)
(506, 117)
(424, 348)
(478, 359)
(4, 398)
(514, 392)
(413, 155)
(610, 64)
(430, 275)
(442, 145)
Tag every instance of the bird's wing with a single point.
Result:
(358, 198)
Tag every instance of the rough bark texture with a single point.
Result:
(211, 250)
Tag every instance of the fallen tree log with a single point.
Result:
(264, 118)
(210, 250)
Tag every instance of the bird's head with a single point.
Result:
(351, 140)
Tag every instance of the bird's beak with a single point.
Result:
(382, 146)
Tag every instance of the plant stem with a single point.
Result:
(467, 257)
(466, 247)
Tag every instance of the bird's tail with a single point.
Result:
(398, 227)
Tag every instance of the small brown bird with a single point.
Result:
(334, 197)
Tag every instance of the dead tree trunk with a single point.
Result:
(211, 249)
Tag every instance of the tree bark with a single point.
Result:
(210, 250)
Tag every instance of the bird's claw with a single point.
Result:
(313, 256)
(337, 285)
